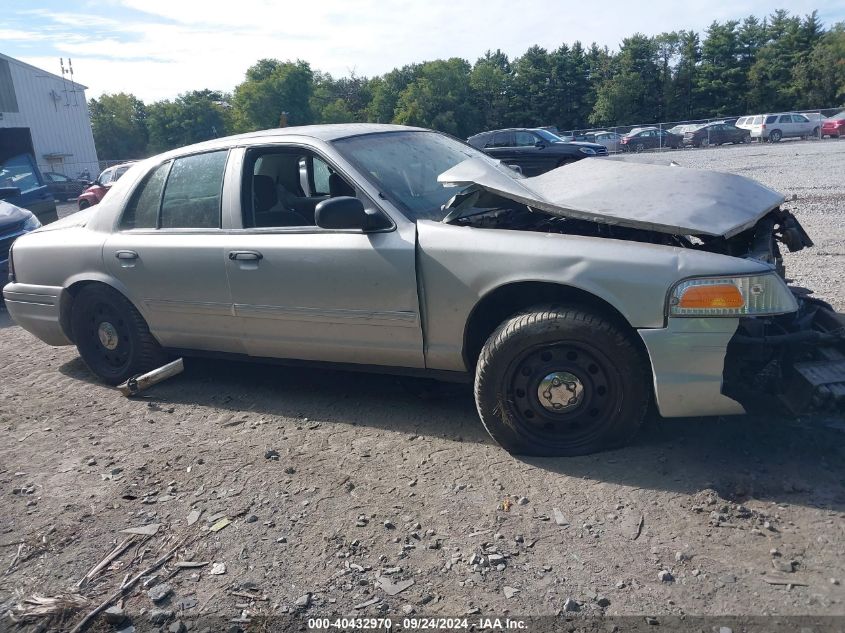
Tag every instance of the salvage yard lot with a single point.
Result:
(331, 479)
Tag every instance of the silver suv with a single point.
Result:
(774, 127)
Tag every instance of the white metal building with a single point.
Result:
(45, 115)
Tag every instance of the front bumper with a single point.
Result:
(687, 361)
(37, 309)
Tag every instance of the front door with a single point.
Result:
(301, 292)
(169, 255)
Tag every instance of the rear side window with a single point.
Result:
(501, 139)
(771, 119)
(193, 192)
(142, 211)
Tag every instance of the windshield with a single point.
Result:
(548, 136)
(405, 166)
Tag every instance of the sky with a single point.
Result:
(157, 49)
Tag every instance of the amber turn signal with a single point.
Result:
(712, 296)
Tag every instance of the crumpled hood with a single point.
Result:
(11, 215)
(667, 199)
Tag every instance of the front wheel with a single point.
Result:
(561, 382)
(111, 335)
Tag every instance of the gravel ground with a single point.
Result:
(345, 490)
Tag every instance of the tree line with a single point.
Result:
(780, 62)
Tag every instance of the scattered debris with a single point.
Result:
(559, 518)
(271, 454)
(220, 525)
(190, 564)
(571, 605)
(639, 529)
(137, 384)
(144, 530)
(304, 601)
(114, 615)
(193, 516)
(160, 592)
(217, 569)
(117, 551)
(510, 592)
(775, 580)
(665, 575)
(392, 588)
(366, 604)
(34, 608)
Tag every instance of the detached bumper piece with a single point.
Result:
(795, 360)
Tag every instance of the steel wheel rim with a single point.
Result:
(108, 334)
(596, 393)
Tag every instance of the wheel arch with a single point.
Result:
(74, 286)
(511, 298)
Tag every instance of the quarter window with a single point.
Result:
(193, 192)
(142, 211)
(321, 177)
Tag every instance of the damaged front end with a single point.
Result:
(794, 360)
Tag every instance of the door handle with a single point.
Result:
(245, 255)
(126, 255)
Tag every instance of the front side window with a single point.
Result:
(785, 118)
(19, 172)
(193, 192)
(501, 139)
(524, 139)
(404, 167)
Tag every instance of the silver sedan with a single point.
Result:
(573, 299)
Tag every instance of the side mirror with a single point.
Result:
(9, 192)
(539, 145)
(346, 212)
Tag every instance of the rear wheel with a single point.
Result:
(561, 381)
(111, 335)
(775, 136)
(815, 133)
(639, 147)
(704, 142)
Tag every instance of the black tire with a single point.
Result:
(815, 133)
(103, 317)
(84, 204)
(639, 147)
(775, 136)
(518, 366)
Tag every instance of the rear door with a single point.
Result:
(169, 254)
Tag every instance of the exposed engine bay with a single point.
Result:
(762, 241)
(795, 360)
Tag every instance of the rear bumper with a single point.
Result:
(687, 361)
(37, 309)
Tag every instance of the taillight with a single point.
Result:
(763, 127)
(11, 266)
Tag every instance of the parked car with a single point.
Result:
(14, 222)
(571, 299)
(21, 173)
(834, 126)
(716, 134)
(533, 150)
(64, 188)
(610, 140)
(774, 127)
(100, 187)
(640, 139)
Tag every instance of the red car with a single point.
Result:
(100, 187)
(834, 126)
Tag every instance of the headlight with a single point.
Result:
(589, 151)
(731, 296)
(31, 224)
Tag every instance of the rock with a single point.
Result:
(304, 601)
(786, 567)
(271, 454)
(91, 462)
(559, 518)
(519, 538)
(160, 592)
(620, 584)
(183, 604)
(364, 605)
(193, 516)
(282, 539)
(665, 576)
(160, 616)
(408, 609)
(114, 615)
(603, 602)
(177, 627)
(725, 629)
(834, 581)
(150, 581)
(651, 620)
(251, 518)
(144, 530)
(571, 605)
(392, 588)
(127, 629)
(696, 572)
(523, 501)
(290, 470)
(510, 592)
(389, 525)
(217, 569)
(682, 556)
